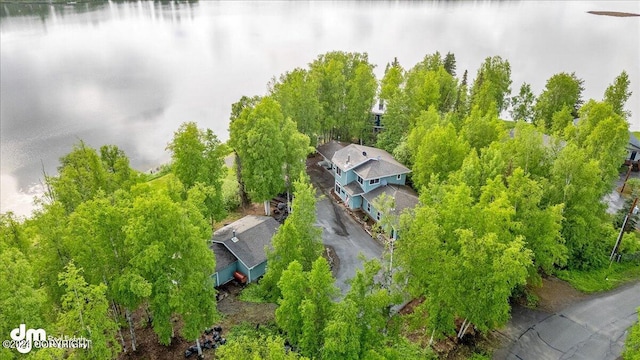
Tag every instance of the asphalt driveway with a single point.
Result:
(594, 328)
(341, 231)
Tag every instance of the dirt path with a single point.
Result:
(556, 294)
(236, 311)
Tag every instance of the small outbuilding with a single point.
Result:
(240, 248)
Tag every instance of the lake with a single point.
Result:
(128, 73)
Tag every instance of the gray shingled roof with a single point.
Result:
(633, 141)
(374, 169)
(224, 257)
(546, 139)
(253, 232)
(353, 188)
(329, 149)
(358, 157)
(405, 197)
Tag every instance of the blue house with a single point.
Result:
(377, 112)
(363, 173)
(240, 247)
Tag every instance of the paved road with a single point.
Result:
(341, 231)
(594, 328)
(348, 239)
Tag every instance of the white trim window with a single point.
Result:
(360, 181)
(337, 189)
(399, 177)
(369, 207)
(338, 171)
(378, 215)
(374, 181)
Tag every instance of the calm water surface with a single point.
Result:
(130, 73)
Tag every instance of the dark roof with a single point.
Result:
(224, 257)
(253, 234)
(368, 162)
(377, 168)
(329, 149)
(353, 188)
(633, 141)
(405, 197)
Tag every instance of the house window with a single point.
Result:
(378, 215)
(398, 177)
(360, 181)
(338, 171)
(374, 181)
(368, 207)
(337, 189)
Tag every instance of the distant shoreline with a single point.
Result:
(613, 13)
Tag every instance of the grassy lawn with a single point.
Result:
(252, 293)
(160, 182)
(604, 279)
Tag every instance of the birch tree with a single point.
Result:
(293, 286)
(522, 104)
(297, 239)
(85, 313)
(492, 86)
(618, 93)
(561, 90)
(167, 242)
(270, 150)
(297, 93)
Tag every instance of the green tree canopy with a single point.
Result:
(297, 239)
(492, 86)
(198, 158)
(392, 81)
(618, 93)
(522, 104)
(85, 313)
(346, 90)
(269, 147)
(561, 90)
(297, 93)
(167, 244)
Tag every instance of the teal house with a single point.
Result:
(239, 247)
(362, 173)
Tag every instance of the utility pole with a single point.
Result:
(624, 224)
(624, 184)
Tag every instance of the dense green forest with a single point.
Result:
(502, 204)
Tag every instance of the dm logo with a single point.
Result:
(24, 338)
